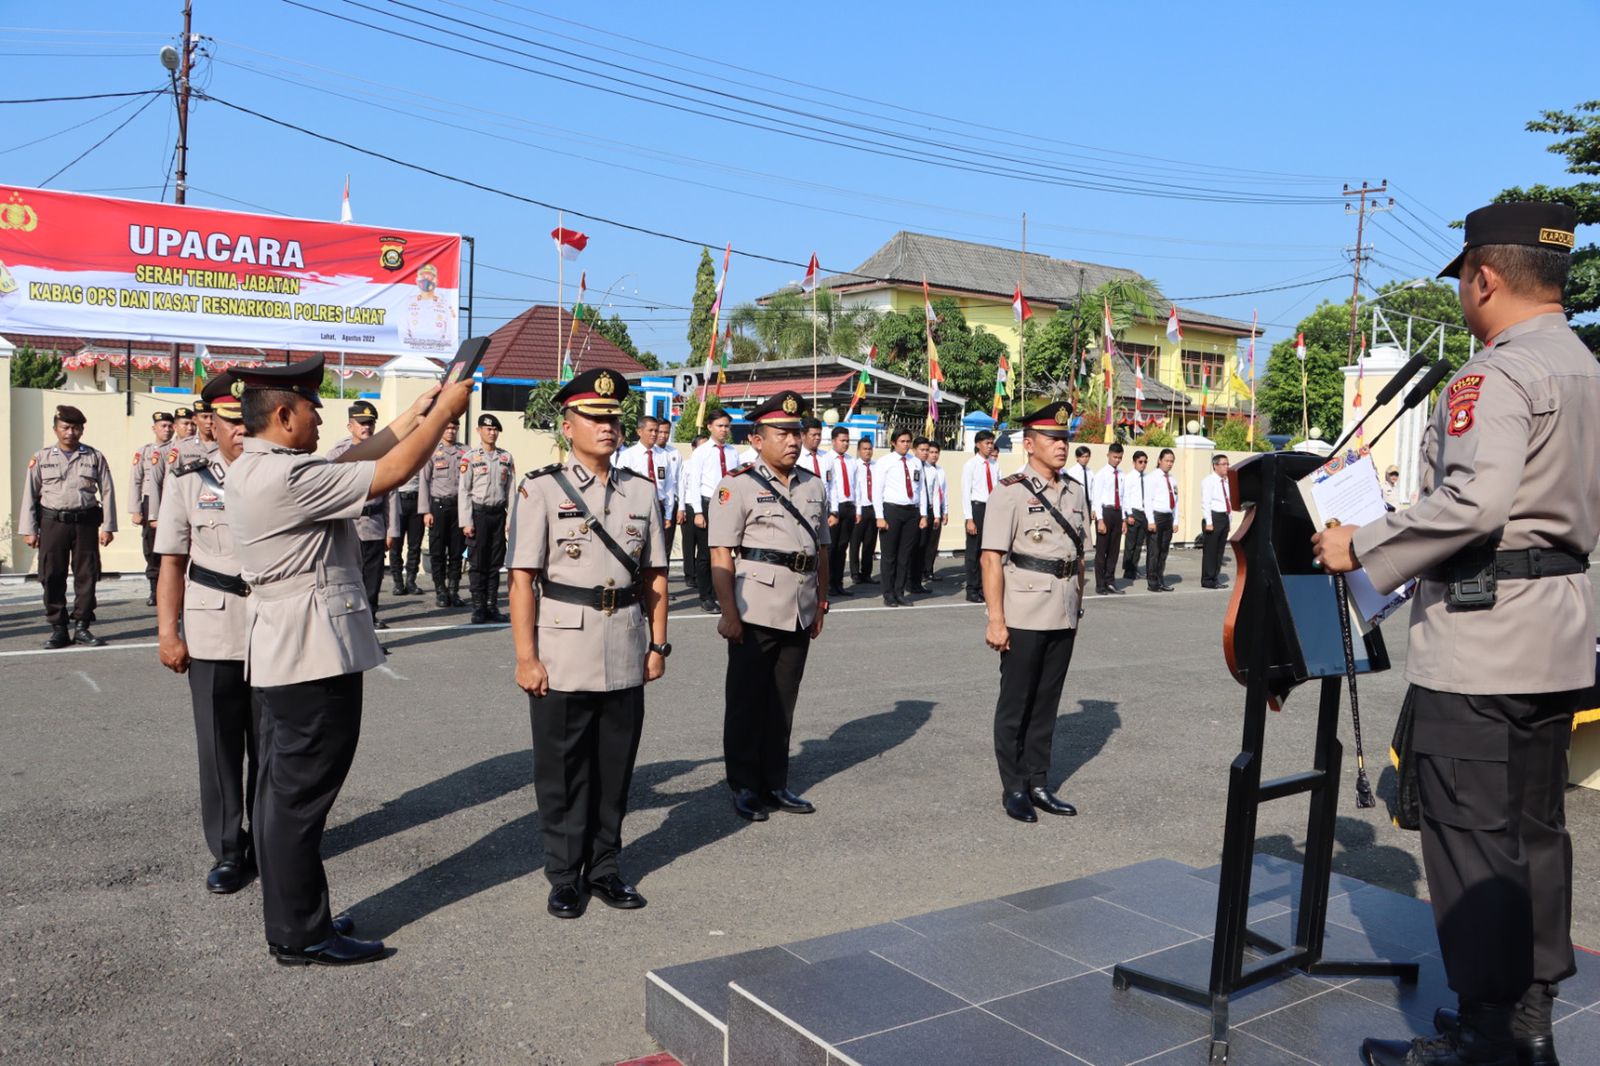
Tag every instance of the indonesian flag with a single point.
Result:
(711, 349)
(1361, 373)
(1174, 330)
(809, 282)
(1138, 389)
(1109, 341)
(1300, 346)
(344, 208)
(927, 305)
(569, 242)
(1019, 306)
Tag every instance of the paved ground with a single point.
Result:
(110, 951)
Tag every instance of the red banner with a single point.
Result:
(78, 265)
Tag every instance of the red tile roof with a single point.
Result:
(743, 391)
(528, 347)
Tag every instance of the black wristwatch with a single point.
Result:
(662, 650)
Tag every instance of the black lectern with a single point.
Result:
(1282, 629)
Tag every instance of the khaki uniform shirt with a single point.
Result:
(1015, 521)
(373, 521)
(194, 522)
(193, 448)
(1510, 454)
(440, 476)
(583, 648)
(149, 474)
(66, 481)
(747, 514)
(485, 481)
(291, 515)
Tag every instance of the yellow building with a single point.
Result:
(982, 279)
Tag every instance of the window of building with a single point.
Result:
(1151, 354)
(1193, 361)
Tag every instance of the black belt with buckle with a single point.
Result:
(211, 579)
(604, 598)
(1522, 564)
(1053, 567)
(489, 508)
(408, 495)
(74, 515)
(799, 562)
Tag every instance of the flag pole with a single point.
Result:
(1305, 410)
(561, 277)
(814, 398)
(1021, 395)
(1251, 437)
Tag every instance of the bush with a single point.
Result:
(1091, 428)
(1155, 437)
(1233, 435)
(36, 370)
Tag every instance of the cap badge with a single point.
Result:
(237, 389)
(790, 406)
(604, 385)
(1061, 416)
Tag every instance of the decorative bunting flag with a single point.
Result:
(1361, 373)
(1108, 349)
(1300, 346)
(1138, 390)
(1205, 393)
(1174, 330)
(927, 305)
(711, 349)
(344, 208)
(578, 314)
(1002, 377)
(569, 242)
(809, 282)
(1019, 306)
(935, 375)
(727, 354)
(862, 381)
(1255, 318)
(200, 356)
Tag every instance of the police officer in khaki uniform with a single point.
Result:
(1502, 636)
(1033, 575)
(68, 496)
(200, 584)
(292, 516)
(769, 564)
(372, 525)
(202, 444)
(405, 537)
(149, 470)
(482, 494)
(588, 537)
(436, 503)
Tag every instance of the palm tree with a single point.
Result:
(781, 329)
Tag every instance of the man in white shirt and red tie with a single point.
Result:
(978, 479)
(865, 543)
(902, 513)
(1163, 514)
(1216, 507)
(712, 462)
(1110, 486)
(844, 488)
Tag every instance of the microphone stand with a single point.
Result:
(1385, 394)
(1436, 373)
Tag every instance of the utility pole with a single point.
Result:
(180, 93)
(1363, 209)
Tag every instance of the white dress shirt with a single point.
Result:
(978, 479)
(846, 468)
(1110, 485)
(1163, 494)
(936, 483)
(1214, 497)
(889, 477)
(821, 465)
(1081, 474)
(708, 472)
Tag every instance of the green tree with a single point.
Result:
(542, 411)
(781, 328)
(1580, 146)
(31, 369)
(968, 358)
(687, 425)
(705, 294)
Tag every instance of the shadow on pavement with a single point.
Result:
(1081, 736)
(1357, 854)
(694, 820)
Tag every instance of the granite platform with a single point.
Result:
(1025, 980)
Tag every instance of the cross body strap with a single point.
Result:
(783, 501)
(633, 566)
(1066, 527)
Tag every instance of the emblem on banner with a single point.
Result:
(7, 282)
(16, 214)
(391, 252)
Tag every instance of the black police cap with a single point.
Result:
(221, 398)
(596, 392)
(303, 378)
(489, 421)
(161, 416)
(1548, 226)
(782, 410)
(363, 411)
(1051, 420)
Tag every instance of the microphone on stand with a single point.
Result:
(1437, 373)
(1385, 394)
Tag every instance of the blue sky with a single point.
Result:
(1257, 101)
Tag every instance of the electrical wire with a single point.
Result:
(1252, 292)
(79, 158)
(85, 96)
(76, 125)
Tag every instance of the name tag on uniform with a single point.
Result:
(766, 499)
(637, 517)
(209, 501)
(1036, 508)
(569, 514)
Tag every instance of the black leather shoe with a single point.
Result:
(335, 951)
(150, 600)
(82, 635)
(901, 601)
(343, 925)
(615, 892)
(866, 581)
(411, 587)
(1531, 1050)
(227, 877)
(842, 591)
(565, 902)
(747, 805)
(378, 623)
(973, 597)
(1116, 591)
(1018, 807)
(1166, 588)
(787, 801)
(494, 614)
(1050, 803)
(455, 598)
(710, 607)
(441, 599)
(59, 638)
(399, 587)
(890, 601)
(1433, 1051)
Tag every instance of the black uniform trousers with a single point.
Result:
(930, 550)
(1032, 674)
(1155, 563)
(225, 712)
(899, 547)
(700, 544)
(864, 544)
(841, 542)
(763, 684)
(1492, 775)
(1212, 542)
(69, 547)
(410, 537)
(446, 542)
(1138, 535)
(974, 549)
(307, 741)
(584, 746)
(1106, 546)
(372, 572)
(147, 543)
(669, 529)
(488, 555)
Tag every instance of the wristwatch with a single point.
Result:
(662, 650)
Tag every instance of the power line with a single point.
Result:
(1252, 292)
(103, 140)
(76, 125)
(86, 96)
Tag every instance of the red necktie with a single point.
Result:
(868, 468)
(816, 464)
(988, 476)
(650, 466)
(722, 457)
(906, 466)
(1172, 497)
(844, 472)
(1116, 488)
(1227, 504)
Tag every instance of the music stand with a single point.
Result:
(1289, 613)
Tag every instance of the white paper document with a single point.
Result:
(1347, 488)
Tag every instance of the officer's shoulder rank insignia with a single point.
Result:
(746, 468)
(1461, 396)
(1014, 479)
(542, 471)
